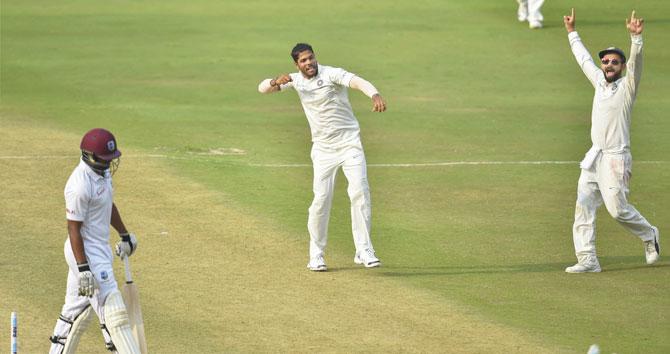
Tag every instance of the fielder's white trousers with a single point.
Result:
(74, 304)
(326, 162)
(533, 9)
(606, 181)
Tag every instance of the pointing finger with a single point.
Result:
(572, 14)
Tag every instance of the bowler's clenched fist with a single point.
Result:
(378, 104)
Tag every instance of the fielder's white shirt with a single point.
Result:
(612, 102)
(89, 198)
(326, 104)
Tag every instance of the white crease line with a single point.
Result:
(464, 163)
(435, 164)
(451, 163)
(289, 165)
(301, 165)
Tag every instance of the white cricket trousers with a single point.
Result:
(326, 162)
(606, 181)
(74, 304)
(533, 7)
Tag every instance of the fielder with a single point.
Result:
(91, 285)
(529, 10)
(336, 143)
(606, 168)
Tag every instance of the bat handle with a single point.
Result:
(126, 263)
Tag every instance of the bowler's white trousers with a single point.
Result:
(606, 180)
(326, 162)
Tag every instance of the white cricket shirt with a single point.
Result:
(326, 104)
(89, 198)
(612, 102)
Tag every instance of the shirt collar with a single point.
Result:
(612, 85)
(91, 173)
(318, 74)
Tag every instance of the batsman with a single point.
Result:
(336, 143)
(91, 286)
(606, 168)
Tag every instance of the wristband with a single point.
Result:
(83, 267)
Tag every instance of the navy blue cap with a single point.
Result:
(611, 50)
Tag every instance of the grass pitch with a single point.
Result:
(473, 255)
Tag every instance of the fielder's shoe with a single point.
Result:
(585, 264)
(522, 12)
(651, 248)
(367, 258)
(317, 264)
(535, 25)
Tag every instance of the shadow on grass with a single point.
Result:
(352, 268)
(620, 263)
(608, 264)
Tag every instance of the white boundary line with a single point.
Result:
(300, 165)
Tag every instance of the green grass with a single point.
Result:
(464, 82)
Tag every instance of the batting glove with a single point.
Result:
(127, 245)
(86, 280)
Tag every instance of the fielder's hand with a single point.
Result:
(280, 80)
(86, 280)
(635, 25)
(127, 245)
(569, 21)
(378, 104)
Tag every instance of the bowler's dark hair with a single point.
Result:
(299, 48)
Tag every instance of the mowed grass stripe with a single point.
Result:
(211, 276)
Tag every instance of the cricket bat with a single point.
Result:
(131, 297)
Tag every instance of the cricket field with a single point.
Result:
(473, 173)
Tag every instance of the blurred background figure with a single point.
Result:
(529, 10)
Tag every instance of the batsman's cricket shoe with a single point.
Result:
(367, 258)
(652, 250)
(317, 264)
(585, 264)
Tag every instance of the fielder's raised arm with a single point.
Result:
(634, 64)
(569, 21)
(582, 55)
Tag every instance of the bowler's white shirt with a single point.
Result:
(326, 104)
(612, 102)
(89, 198)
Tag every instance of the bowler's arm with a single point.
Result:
(275, 85)
(358, 83)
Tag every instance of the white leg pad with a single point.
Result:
(116, 319)
(68, 332)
